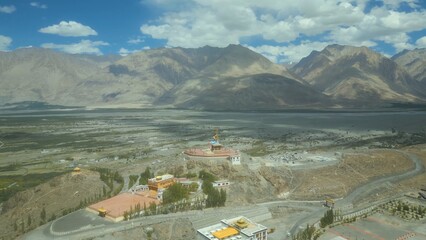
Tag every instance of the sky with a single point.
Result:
(281, 30)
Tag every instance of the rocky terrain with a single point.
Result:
(212, 78)
(353, 170)
(414, 61)
(358, 73)
(28, 209)
(244, 93)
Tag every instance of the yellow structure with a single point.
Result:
(241, 223)
(234, 228)
(161, 182)
(329, 202)
(102, 212)
(225, 233)
(76, 171)
(216, 135)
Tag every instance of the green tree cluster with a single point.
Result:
(206, 176)
(306, 234)
(132, 180)
(109, 177)
(215, 197)
(175, 193)
(327, 219)
(145, 176)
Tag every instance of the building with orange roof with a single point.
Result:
(115, 207)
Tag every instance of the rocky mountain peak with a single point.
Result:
(414, 61)
(356, 73)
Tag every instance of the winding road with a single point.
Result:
(211, 216)
(364, 191)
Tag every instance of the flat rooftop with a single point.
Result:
(218, 230)
(250, 228)
(232, 229)
(117, 205)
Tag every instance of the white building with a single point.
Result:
(234, 229)
(235, 159)
(221, 183)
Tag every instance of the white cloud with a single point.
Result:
(421, 42)
(124, 52)
(290, 53)
(69, 29)
(136, 40)
(220, 22)
(7, 9)
(38, 5)
(84, 46)
(5, 42)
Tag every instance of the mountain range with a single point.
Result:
(231, 78)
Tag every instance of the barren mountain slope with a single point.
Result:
(41, 75)
(357, 73)
(261, 91)
(138, 79)
(414, 62)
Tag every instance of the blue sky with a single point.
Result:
(283, 31)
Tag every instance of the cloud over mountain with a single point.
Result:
(297, 26)
(84, 46)
(69, 29)
(5, 42)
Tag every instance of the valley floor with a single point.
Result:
(291, 162)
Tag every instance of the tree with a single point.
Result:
(145, 176)
(153, 208)
(213, 198)
(145, 212)
(175, 193)
(222, 198)
(29, 220)
(327, 219)
(43, 215)
(193, 187)
(138, 209)
(207, 187)
(206, 176)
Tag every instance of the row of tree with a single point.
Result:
(110, 177)
(153, 209)
(306, 234)
(327, 219)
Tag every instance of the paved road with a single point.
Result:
(78, 225)
(78, 229)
